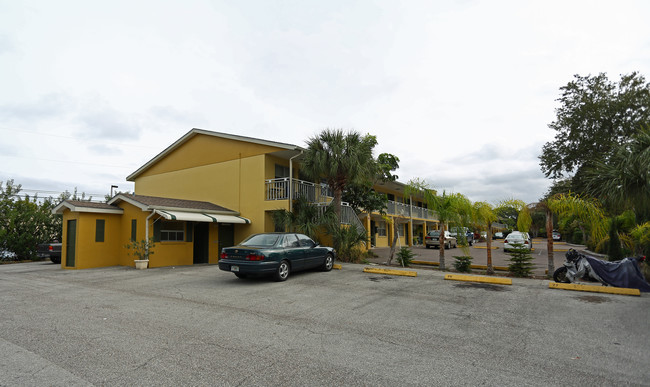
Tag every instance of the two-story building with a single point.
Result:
(210, 190)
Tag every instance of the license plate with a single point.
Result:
(234, 268)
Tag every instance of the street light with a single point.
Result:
(112, 186)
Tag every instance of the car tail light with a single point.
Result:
(223, 256)
(525, 242)
(505, 241)
(50, 248)
(254, 257)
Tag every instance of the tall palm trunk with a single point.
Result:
(488, 240)
(338, 194)
(442, 248)
(549, 242)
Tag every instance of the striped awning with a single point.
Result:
(202, 217)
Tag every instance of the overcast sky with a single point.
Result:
(461, 91)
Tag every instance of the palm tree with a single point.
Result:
(340, 159)
(588, 211)
(623, 181)
(485, 216)
(453, 207)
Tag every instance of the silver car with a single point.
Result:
(433, 240)
(517, 238)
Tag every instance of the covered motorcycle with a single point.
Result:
(623, 274)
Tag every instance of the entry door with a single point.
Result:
(226, 235)
(70, 240)
(201, 243)
(373, 233)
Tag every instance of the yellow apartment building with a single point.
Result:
(210, 190)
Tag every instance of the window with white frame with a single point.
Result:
(172, 231)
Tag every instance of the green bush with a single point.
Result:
(521, 264)
(463, 263)
(405, 256)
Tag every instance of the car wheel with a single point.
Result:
(240, 275)
(329, 263)
(282, 272)
(427, 246)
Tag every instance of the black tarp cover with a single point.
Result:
(623, 274)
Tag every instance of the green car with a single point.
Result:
(276, 254)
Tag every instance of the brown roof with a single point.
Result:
(155, 201)
(87, 204)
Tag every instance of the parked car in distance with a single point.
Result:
(49, 250)
(556, 236)
(433, 240)
(276, 254)
(517, 238)
(469, 236)
(497, 235)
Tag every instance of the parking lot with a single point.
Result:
(197, 325)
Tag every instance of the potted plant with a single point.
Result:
(141, 250)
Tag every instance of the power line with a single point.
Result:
(71, 162)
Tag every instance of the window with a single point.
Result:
(134, 230)
(381, 229)
(281, 171)
(99, 230)
(290, 240)
(305, 241)
(172, 231)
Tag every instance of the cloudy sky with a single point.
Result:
(461, 91)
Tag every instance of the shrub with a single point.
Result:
(521, 264)
(405, 256)
(346, 241)
(463, 263)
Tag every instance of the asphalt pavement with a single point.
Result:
(197, 325)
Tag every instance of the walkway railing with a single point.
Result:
(405, 210)
(278, 189)
(348, 215)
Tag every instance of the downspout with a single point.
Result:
(291, 180)
(146, 232)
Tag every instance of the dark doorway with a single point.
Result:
(70, 245)
(201, 243)
(226, 235)
(373, 235)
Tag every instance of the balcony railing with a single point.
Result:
(407, 211)
(278, 189)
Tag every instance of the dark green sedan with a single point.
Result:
(276, 254)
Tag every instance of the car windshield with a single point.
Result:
(261, 240)
(434, 233)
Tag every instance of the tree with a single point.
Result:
(305, 218)
(25, 222)
(485, 216)
(623, 181)
(588, 210)
(594, 117)
(362, 197)
(450, 208)
(340, 159)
